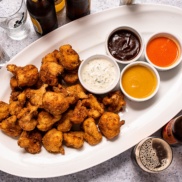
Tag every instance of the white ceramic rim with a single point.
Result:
(172, 37)
(147, 65)
(136, 32)
(114, 84)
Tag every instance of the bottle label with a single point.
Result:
(37, 26)
(168, 134)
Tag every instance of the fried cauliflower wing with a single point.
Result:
(68, 57)
(50, 57)
(70, 77)
(52, 141)
(79, 113)
(91, 133)
(50, 73)
(35, 96)
(25, 76)
(95, 108)
(26, 118)
(109, 125)
(46, 120)
(4, 110)
(73, 139)
(55, 103)
(11, 127)
(114, 101)
(31, 141)
(65, 123)
(17, 103)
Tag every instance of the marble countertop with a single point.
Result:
(119, 168)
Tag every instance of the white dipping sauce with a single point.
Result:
(98, 74)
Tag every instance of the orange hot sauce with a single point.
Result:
(162, 51)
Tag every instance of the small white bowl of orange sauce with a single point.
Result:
(163, 50)
(139, 81)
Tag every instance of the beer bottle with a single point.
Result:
(172, 131)
(43, 15)
(59, 5)
(77, 8)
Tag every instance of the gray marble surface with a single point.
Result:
(119, 168)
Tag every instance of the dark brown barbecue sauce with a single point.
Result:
(124, 45)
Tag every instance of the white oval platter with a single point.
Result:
(87, 36)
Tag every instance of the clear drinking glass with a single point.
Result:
(13, 16)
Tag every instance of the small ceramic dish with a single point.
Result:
(139, 81)
(163, 50)
(125, 44)
(99, 74)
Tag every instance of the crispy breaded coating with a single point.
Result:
(17, 102)
(46, 120)
(31, 141)
(91, 133)
(95, 108)
(70, 77)
(68, 57)
(114, 101)
(4, 110)
(77, 91)
(109, 124)
(25, 76)
(35, 96)
(79, 113)
(50, 57)
(14, 83)
(55, 103)
(26, 118)
(52, 141)
(11, 127)
(73, 139)
(50, 72)
(65, 123)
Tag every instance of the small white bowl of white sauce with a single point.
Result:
(99, 74)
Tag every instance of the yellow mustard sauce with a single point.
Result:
(139, 81)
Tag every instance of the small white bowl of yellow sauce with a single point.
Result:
(99, 74)
(139, 81)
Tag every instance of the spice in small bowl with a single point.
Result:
(139, 81)
(99, 74)
(163, 51)
(124, 44)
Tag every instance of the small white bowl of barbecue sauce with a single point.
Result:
(125, 44)
(99, 74)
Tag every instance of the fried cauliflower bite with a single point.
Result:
(95, 108)
(4, 110)
(11, 127)
(79, 113)
(73, 139)
(35, 96)
(65, 123)
(68, 57)
(52, 141)
(91, 133)
(46, 120)
(55, 103)
(31, 141)
(14, 83)
(50, 57)
(26, 118)
(17, 102)
(50, 73)
(109, 124)
(114, 101)
(70, 77)
(25, 76)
